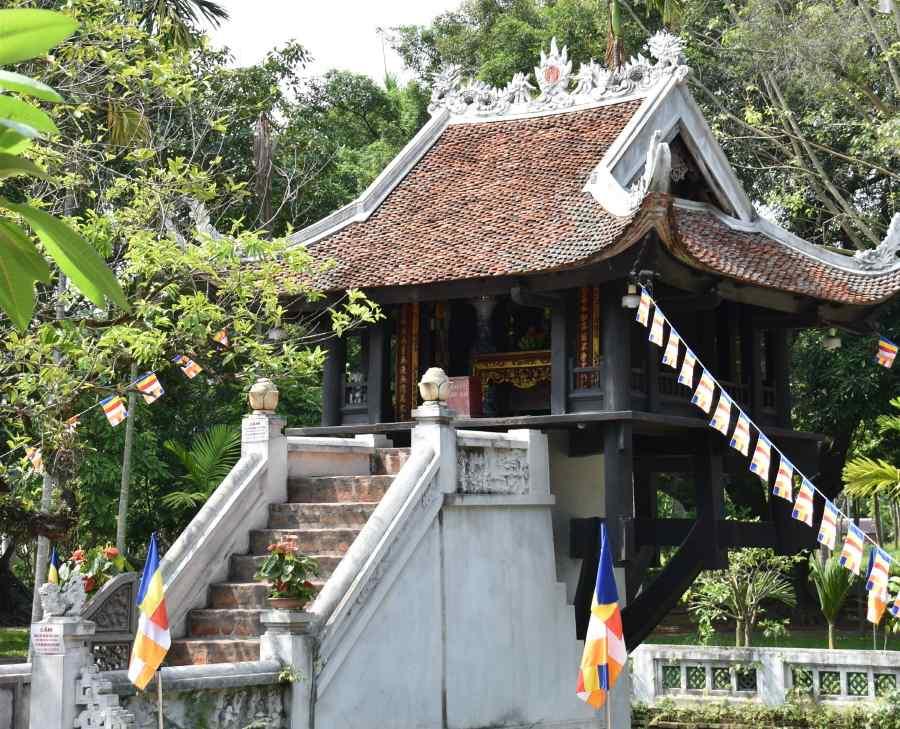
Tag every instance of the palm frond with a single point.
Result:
(833, 584)
(869, 477)
(206, 463)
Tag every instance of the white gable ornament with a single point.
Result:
(887, 254)
(592, 82)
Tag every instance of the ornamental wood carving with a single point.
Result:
(520, 369)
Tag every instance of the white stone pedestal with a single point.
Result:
(290, 638)
(59, 656)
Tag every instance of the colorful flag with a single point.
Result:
(851, 554)
(670, 356)
(878, 600)
(740, 438)
(879, 570)
(150, 388)
(604, 645)
(803, 506)
(190, 368)
(703, 395)
(784, 481)
(53, 569)
(895, 608)
(221, 337)
(828, 529)
(643, 312)
(114, 407)
(37, 459)
(656, 328)
(762, 458)
(887, 352)
(721, 419)
(686, 376)
(876, 584)
(151, 643)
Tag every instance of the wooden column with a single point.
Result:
(654, 354)
(558, 358)
(333, 380)
(616, 334)
(781, 366)
(377, 370)
(709, 493)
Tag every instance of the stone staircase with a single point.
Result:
(324, 514)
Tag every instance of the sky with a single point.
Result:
(338, 33)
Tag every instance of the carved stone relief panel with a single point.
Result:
(492, 470)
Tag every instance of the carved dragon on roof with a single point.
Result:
(592, 82)
(887, 254)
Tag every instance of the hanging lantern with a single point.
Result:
(632, 299)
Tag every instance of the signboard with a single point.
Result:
(255, 430)
(465, 396)
(47, 639)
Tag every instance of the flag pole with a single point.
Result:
(608, 711)
(159, 703)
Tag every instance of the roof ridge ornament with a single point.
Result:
(593, 82)
(886, 254)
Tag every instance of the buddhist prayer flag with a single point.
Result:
(803, 506)
(784, 481)
(686, 376)
(740, 438)
(656, 328)
(150, 388)
(36, 458)
(151, 643)
(604, 645)
(643, 312)
(828, 529)
(703, 395)
(895, 608)
(114, 407)
(887, 352)
(878, 600)
(762, 458)
(190, 368)
(879, 570)
(670, 356)
(221, 337)
(721, 419)
(53, 569)
(851, 554)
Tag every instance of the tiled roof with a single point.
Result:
(755, 258)
(487, 199)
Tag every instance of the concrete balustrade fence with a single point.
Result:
(761, 675)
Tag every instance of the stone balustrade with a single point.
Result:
(761, 675)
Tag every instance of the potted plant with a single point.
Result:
(95, 567)
(288, 573)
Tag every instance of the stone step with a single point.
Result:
(227, 595)
(244, 566)
(309, 541)
(201, 651)
(225, 623)
(353, 514)
(330, 489)
(389, 461)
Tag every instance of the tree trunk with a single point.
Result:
(738, 633)
(14, 596)
(879, 530)
(42, 553)
(748, 631)
(831, 636)
(895, 517)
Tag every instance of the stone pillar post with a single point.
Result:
(434, 425)
(61, 649)
(290, 637)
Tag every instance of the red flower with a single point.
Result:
(78, 555)
(110, 552)
(89, 583)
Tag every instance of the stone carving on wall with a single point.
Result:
(111, 656)
(887, 254)
(114, 612)
(492, 470)
(248, 707)
(101, 705)
(593, 82)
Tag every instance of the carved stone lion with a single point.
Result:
(69, 599)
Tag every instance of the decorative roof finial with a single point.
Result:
(886, 254)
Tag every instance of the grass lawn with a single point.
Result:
(796, 639)
(13, 642)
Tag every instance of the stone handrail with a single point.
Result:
(13, 672)
(368, 548)
(114, 612)
(197, 553)
(215, 676)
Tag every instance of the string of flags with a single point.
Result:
(853, 547)
(114, 407)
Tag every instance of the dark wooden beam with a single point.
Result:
(333, 380)
(781, 366)
(559, 358)
(377, 370)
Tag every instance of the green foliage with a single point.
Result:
(754, 578)
(288, 572)
(866, 476)
(95, 567)
(833, 584)
(208, 461)
(26, 33)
